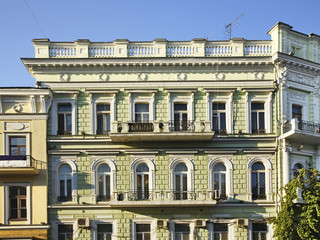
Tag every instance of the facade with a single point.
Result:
(176, 140)
(23, 163)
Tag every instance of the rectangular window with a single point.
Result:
(18, 202)
(220, 231)
(141, 111)
(259, 231)
(181, 231)
(65, 232)
(297, 113)
(180, 117)
(143, 232)
(64, 119)
(17, 145)
(219, 117)
(257, 118)
(104, 231)
(103, 118)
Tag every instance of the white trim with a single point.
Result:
(7, 136)
(54, 228)
(181, 98)
(57, 161)
(303, 160)
(230, 223)
(227, 99)
(54, 114)
(266, 161)
(227, 160)
(94, 227)
(149, 161)
(142, 98)
(188, 161)
(189, 222)
(41, 116)
(7, 201)
(96, 161)
(107, 100)
(267, 100)
(152, 223)
(301, 100)
(269, 230)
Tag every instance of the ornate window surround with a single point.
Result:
(54, 113)
(7, 136)
(152, 223)
(149, 160)
(230, 223)
(301, 99)
(57, 161)
(187, 97)
(266, 161)
(96, 161)
(227, 160)
(259, 97)
(56, 223)
(269, 228)
(142, 96)
(225, 97)
(188, 160)
(94, 228)
(189, 222)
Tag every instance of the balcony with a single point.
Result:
(161, 131)
(302, 132)
(162, 198)
(18, 165)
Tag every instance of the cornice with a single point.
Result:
(285, 59)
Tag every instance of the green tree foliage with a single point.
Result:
(299, 220)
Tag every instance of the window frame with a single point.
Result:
(222, 97)
(146, 96)
(227, 160)
(152, 223)
(188, 161)
(172, 224)
(54, 114)
(135, 162)
(57, 161)
(55, 228)
(97, 161)
(265, 98)
(259, 130)
(95, 223)
(269, 232)
(7, 202)
(8, 144)
(266, 161)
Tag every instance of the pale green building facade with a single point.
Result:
(176, 140)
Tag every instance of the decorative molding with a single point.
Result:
(258, 76)
(103, 77)
(142, 76)
(17, 108)
(64, 77)
(300, 78)
(219, 76)
(181, 76)
(18, 126)
(299, 96)
(317, 86)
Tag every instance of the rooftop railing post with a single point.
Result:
(41, 47)
(237, 46)
(121, 48)
(199, 45)
(82, 48)
(160, 46)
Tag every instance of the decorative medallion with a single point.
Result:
(17, 108)
(142, 76)
(317, 85)
(258, 75)
(219, 76)
(181, 76)
(103, 77)
(64, 77)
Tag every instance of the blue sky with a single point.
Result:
(137, 20)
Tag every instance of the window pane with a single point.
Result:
(69, 188)
(180, 106)
(62, 188)
(181, 167)
(64, 107)
(141, 107)
(104, 168)
(261, 120)
(103, 107)
(219, 167)
(17, 140)
(254, 120)
(257, 106)
(258, 166)
(142, 168)
(65, 169)
(68, 122)
(222, 121)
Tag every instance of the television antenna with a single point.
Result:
(232, 26)
(211, 34)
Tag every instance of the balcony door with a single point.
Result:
(142, 172)
(181, 182)
(180, 116)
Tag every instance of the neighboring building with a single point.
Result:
(176, 140)
(23, 163)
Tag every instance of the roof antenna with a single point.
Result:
(232, 26)
(210, 35)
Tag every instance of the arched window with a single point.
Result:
(219, 180)
(295, 169)
(104, 183)
(181, 181)
(142, 176)
(258, 181)
(65, 183)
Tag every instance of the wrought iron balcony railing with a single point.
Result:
(182, 126)
(102, 132)
(305, 126)
(104, 197)
(140, 127)
(140, 195)
(64, 198)
(62, 132)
